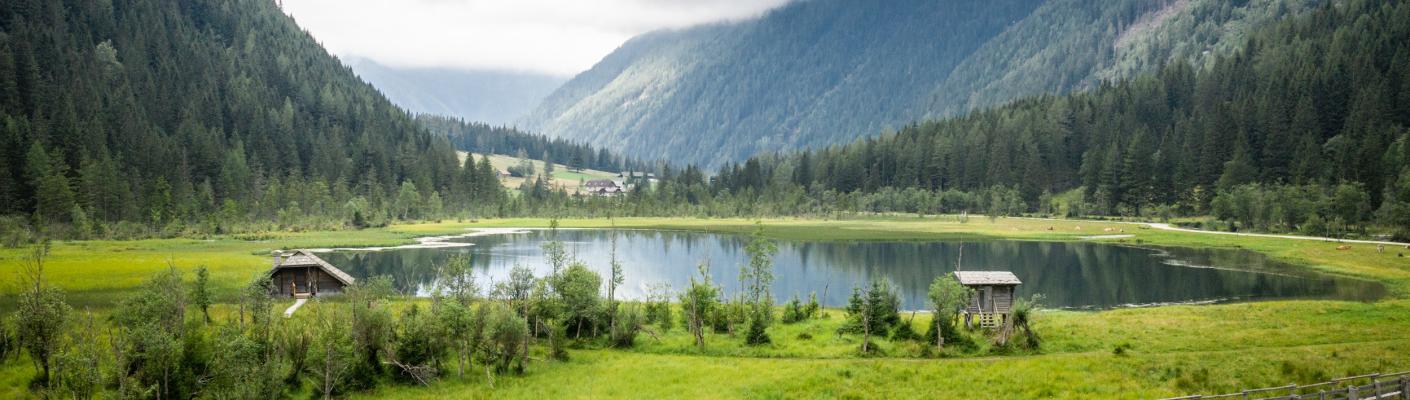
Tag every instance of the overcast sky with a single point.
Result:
(560, 37)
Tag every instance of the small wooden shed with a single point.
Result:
(301, 274)
(992, 299)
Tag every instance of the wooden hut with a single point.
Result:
(301, 274)
(992, 299)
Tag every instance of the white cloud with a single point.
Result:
(561, 37)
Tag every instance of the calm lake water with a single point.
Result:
(1068, 274)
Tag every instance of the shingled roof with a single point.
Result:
(305, 258)
(970, 278)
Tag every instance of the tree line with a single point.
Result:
(477, 137)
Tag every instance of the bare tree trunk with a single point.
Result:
(697, 328)
(552, 340)
(939, 333)
(1004, 332)
(327, 375)
(460, 359)
(533, 326)
(866, 321)
(866, 330)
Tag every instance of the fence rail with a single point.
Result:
(1375, 387)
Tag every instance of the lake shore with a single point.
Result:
(1173, 350)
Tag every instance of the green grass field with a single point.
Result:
(563, 176)
(1166, 351)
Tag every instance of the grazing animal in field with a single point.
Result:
(1050, 228)
(1344, 247)
(1380, 248)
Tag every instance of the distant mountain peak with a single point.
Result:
(495, 97)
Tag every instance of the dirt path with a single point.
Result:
(1169, 227)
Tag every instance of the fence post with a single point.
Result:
(1351, 392)
(1405, 387)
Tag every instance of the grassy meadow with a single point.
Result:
(1121, 353)
(563, 177)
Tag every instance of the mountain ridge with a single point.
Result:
(491, 96)
(793, 78)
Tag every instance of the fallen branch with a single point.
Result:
(423, 374)
(652, 333)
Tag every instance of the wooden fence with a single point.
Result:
(1364, 387)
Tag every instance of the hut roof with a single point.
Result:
(969, 278)
(601, 183)
(305, 258)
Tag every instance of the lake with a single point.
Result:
(1079, 275)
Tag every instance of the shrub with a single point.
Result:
(419, 345)
(794, 311)
(628, 324)
(757, 334)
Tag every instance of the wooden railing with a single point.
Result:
(1375, 387)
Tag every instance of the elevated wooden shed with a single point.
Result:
(301, 274)
(992, 299)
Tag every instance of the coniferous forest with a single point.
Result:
(1305, 128)
(126, 117)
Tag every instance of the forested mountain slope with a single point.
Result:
(819, 72)
(493, 97)
(1304, 129)
(165, 112)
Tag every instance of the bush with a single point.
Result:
(758, 325)
(903, 331)
(15, 231)
(954, 337)
(793, 311)
(506, 332)
(811, 310)
(419, 345)
(628, 324)
(1121, 349)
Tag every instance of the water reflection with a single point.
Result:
(1068, 274)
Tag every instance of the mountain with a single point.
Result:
(1302, 129)
(169, 113)
(493, 97)
(820, 72)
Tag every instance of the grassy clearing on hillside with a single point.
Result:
(563, 176)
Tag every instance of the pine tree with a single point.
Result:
(54, 198)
